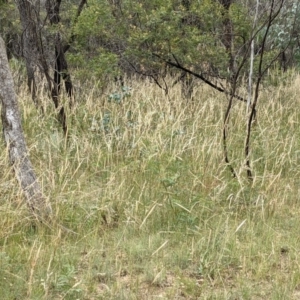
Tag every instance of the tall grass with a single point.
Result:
(146, 207)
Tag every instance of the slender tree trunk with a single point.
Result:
(274, 10)
(33, 52)
(249, 100)
(15, 142)
(30, 38)
(61, 65)
(227, 36)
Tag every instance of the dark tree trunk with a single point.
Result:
(61, 65)
(227, 36)
(34, 54)
(30, 44)
(283, 61)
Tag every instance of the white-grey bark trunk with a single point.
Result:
(249, 100)
(15, 142)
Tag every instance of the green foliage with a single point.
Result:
(194, 34)
(120, 96)
(169, 29)
(135, 31)
(64, 282)
(241, 22)
(111, 36)
(94, 20)
(9, 18)
(101, 65)
(95, 31)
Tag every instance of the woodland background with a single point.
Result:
(165, 136)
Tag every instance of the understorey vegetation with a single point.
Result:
(150, 150)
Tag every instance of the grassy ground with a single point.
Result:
(150, 205)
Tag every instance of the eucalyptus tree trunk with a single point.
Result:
(30, 42)
(61, 65)
(35, 54)
(15, 141)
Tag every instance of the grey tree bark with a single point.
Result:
(30, 39)
(15, 141)
(34, 54)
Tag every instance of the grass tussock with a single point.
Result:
(145, 206)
